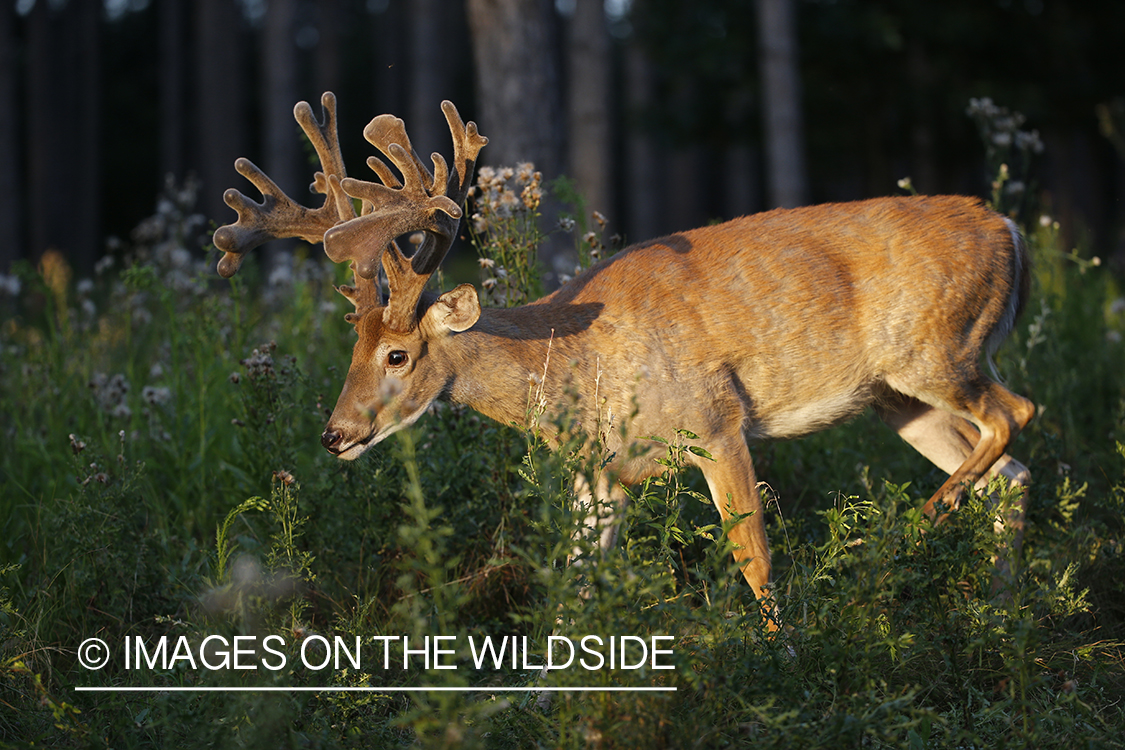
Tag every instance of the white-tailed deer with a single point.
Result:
(768, 326)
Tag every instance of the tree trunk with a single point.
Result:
(63, 125)
(10, 196)
(328, 49)
(588, 104)
(518, 98)
(643, 198)
(391, 55)
(517, 82)
(428, 82)
(781, 86)
(281, 144)
(173, 21)
(221, 113)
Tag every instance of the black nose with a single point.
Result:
(330, 439)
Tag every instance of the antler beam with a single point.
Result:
(420, 202)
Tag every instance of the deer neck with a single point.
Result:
(515, 360)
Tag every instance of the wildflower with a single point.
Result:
(531, 197)
(235, 378)
(10, 284)
(121, 411)
(566, 223)
(76, 445)
(590, 238)
(525, 172)
(260, 364)
(284, 477)
(156, 396)
(507, 173)
(480, 224)
(156, 371)
(486, 262)
(508, 202)
(282, 273)
(84, 286)
(1002, 139)
(488, 283)
(1045, 221)
(598, 217)
(1029, 141)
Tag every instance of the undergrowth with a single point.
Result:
(163, 483)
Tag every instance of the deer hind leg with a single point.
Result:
(734, 490)
(950, 442)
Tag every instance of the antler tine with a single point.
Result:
(278, 216)
(422, 201)
(467, 143)
(325, 139)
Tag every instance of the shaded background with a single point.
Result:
(667, 114)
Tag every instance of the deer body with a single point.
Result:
(769, 326)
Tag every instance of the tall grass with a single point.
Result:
(162, 477)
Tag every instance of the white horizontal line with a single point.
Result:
(306, 689)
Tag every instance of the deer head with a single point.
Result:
(392, 378)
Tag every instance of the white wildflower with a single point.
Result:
(156, 395)
(10, 284)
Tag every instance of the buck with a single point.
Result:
(768, 326)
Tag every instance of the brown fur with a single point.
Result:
(769, 326)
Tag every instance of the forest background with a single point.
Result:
(666, 114)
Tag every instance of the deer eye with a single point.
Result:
(396, 358)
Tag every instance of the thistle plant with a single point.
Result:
(1010, 151)
(504, 227)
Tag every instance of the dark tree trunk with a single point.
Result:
(220, 103)
(588, 104)
(643, 198)
(428, 24)
(11, 199)
(173, 24)
(781, 87)
(517, 82)
(328, 55)
(63, 130)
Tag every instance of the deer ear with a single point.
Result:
(456, 310)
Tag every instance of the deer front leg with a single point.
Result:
(734, 490)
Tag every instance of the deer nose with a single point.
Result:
(330, 439)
